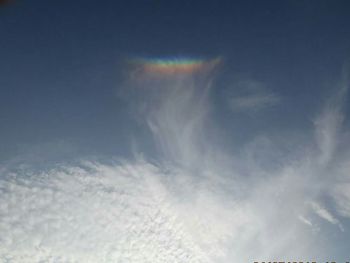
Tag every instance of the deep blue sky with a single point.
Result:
(61, 62)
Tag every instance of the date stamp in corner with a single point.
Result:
(300, 262)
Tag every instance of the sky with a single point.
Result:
(174, 131)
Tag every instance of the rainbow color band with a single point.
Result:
(170, 66)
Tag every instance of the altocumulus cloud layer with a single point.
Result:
(196, 203)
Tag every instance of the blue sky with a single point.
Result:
(236, 148)
(62, 61)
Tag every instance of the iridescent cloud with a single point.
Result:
(174, 66)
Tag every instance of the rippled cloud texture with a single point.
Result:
(197, 202)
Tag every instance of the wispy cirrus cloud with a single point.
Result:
(251, 96)
(194, 203)
(253, 102)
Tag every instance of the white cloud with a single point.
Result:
(138, 212)
(95, 213)
(251, 96)
(253, 102)
(325, 214)
(305, 220)
(197, 204)
(341, 194)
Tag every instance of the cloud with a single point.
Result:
(306, 221)
(326, 215)
(341, 194)
(253, 102)
(195, 202)
(139, 212)
(92, 213)
(252, 96)
(329, 124)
